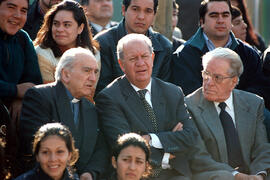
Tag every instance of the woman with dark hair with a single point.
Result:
(65, 26)
(239, 26)
(55, 152)
(131, 158)
(253, 38)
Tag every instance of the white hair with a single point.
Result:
(236, 65)
(68, 59)
(131, 37)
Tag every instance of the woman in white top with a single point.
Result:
(65, 26)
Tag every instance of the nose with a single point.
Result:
(132, 165)
(140, 15)
(220, 19)
(92, 76)
(17, 13)
(244, 25)
(52, 157)
(59, 28)
(209, 80)
(140, 61)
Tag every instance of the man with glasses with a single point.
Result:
(215, 31)
(230, 121)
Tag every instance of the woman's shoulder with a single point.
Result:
(29, 175)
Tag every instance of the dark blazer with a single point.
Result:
(248, 109)
(187, 66)
(94, 30)
(110, 68)
(49, 103)
(121, 111)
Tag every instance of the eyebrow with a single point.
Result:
(14, 5)
(217, 13)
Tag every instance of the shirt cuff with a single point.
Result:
(234, 173)
(165, 161)
(155, 142)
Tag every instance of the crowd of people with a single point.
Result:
(86, 98)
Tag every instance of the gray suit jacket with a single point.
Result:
(121, 111)
(49, 103)
(248, 109)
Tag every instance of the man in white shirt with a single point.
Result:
(230, 121)
(137, 102)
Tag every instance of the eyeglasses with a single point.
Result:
(217, 78)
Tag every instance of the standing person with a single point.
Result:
(131, 158)
(99, 14)
(253, 38)
(230, 121)
(138, 17)
(215, 31)
(35, 16)
(137, 102)
(65, 26)
(63, 101)
(19, 69)
(55, 152)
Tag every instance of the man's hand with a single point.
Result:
(86, 176)
(178, 127)
(242, 176)
(22, 88)
(15, 111)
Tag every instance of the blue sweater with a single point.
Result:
(17, 64)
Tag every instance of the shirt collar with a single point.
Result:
(210, 45)
(71, 98)
(99, 27)
(229, 102)
(148, 87)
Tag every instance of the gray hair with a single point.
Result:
(236, 65)
(69, 58)
(131, 37)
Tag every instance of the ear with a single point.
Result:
(80, 29)
(153, 56)
(37, 159)
(114, 162)
(123, 10)
(121, 65)
(234, 81)
(65, 75)
(201, 23)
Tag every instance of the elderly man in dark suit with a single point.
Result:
(230, 121)
(156, 110)
(63, 101)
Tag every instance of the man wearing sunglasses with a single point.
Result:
(230, 121)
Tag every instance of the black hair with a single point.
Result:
(126, 3)
(204, 7)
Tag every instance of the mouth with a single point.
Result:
(53, 167)
(220, 28)
(139, 24)
(14, 23)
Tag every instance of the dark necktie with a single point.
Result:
(75, 110)
(232, 140)
(150, 112)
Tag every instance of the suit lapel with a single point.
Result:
(158, 104)
(63, 107)
(210, 117)
(242, 119)
(133, 101)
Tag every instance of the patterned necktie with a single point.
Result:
(150, 112)
(232, 140)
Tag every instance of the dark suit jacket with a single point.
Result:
(121, 111)
(110, 68)
(248, 109)
(95, 32)
(49, 103)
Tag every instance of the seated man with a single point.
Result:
(155, 109)
(19, 68)
(138, 17)
(63, 101)
(230, 121)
